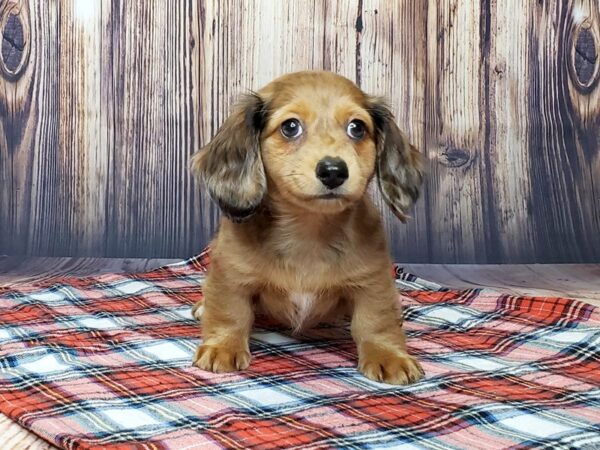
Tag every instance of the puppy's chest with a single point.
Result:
(302, 306)
(309, 264)
(303, 262)
(302, 275)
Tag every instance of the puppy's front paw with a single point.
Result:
(221, 358)
(389, 366)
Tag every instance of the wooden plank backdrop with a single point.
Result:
(102, 102)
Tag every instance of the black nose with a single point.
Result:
(332, 171)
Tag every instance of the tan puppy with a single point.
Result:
(300, 239)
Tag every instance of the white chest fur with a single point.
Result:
(302, 307)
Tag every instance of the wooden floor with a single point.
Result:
(581, 281)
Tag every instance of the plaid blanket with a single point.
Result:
(104, 362)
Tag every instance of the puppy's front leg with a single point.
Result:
(377, 331)
(226, 323)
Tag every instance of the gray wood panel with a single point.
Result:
(103, 102)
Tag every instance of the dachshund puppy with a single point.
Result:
(300, 239)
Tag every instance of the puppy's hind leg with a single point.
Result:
(198, 310)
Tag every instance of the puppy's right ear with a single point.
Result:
(231, 166)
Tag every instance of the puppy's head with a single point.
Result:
(314, 138)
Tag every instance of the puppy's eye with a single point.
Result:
(291, 129)
(356, 129)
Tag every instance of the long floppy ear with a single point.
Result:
(231, 166)
(400, 168)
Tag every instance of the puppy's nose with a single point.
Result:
(332, 171)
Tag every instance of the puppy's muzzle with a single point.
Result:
(332, 172)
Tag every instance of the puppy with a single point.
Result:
(300, 239)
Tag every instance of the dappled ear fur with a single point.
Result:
(400, 168)
(231, 166)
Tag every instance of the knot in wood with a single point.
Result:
(585, 63)
(14, 45)
(454, 157)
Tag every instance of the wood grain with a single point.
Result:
(15, 437)
(564, 143)
(26, 269)
(579, 281)
(103, 102)
(455, 126)
(152, 92)
(506, 155)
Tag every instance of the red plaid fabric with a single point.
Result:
(105, 362)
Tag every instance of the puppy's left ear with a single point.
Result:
(231, 166)
(400, 167)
